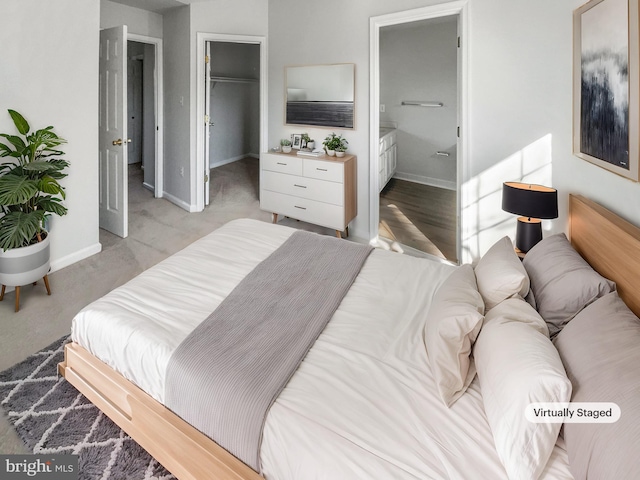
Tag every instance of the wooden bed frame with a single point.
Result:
(610, 244)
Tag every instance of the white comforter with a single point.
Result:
(362, 405)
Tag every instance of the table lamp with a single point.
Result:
(533, 203)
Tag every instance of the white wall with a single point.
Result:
(520, 103)
(177, 111)
(138, 21)
(328, 38)
(230, 17)
(418, 61)
(247, 17)
(58, 87)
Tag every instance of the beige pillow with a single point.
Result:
(453, 323)
(517, 365)
(500, 274)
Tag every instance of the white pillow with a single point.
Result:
(517, 365)
(453, 324)
(500, 274)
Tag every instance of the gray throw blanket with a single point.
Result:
(225, 375)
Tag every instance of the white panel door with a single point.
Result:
(207, 123)
(113, 139)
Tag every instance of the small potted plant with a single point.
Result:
(30, 168)
(340, 149)
(286, 145)
(330, 143)
(309, 142)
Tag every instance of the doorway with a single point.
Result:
(232, 109)
(418, 92)
(236, 75)
(130, 71)
(141, 115)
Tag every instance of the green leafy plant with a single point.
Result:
(335, 142)
(285, 143)
(306, 138)
(30, 168)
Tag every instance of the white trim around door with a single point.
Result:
(463, 169)
(200, 162)
(159, 107)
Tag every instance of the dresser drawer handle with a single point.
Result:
(322, 169)
(301, 208)
(299, 186)
(280, 163)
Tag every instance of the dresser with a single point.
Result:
(319, 190)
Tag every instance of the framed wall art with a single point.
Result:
(606, 122)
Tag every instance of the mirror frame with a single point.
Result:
(320, 114)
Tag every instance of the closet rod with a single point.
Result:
(422, 104)
(234, 80)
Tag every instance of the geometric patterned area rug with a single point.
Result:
(52, 417)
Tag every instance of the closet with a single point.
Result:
(234, 102)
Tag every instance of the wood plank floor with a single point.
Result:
(419, 216)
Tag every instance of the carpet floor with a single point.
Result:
(52, 417)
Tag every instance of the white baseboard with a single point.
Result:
(220, 163)
(434, 182)
(179, 202)
(149, 187)
(75, 257)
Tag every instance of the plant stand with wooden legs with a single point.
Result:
(4, 287)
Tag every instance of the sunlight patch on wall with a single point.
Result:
(483, 220)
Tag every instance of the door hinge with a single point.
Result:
(458, 132)
(206, 119)
(206, 178)
(206, 59)
(458, 42)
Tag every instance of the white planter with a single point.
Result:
(311, 145)
(339, 154)
(286, 149)
(25, 265)
(331, 153)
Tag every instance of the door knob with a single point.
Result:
(120, 141)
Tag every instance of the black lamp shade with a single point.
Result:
(533, 201)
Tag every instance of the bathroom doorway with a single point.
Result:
(417, 112)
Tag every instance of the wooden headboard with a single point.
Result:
(610, 244)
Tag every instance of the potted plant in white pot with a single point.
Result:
(286, 145)
(308, 142)
(30, 168)
(330, 143)
(335, 143)
(342, 147)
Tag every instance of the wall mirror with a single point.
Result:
(320, 95)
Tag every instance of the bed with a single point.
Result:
(364, 403)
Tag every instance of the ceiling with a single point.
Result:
(157, 6)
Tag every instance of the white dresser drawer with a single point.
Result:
(282, 163)
(311, 188)
(332, 171)
(318, 213)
